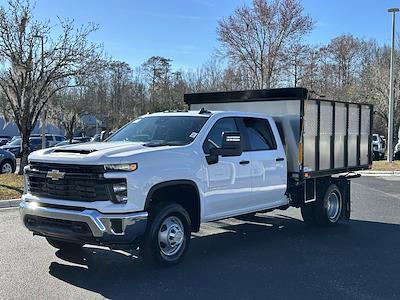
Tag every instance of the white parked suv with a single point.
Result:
(155, 180)
(51, 139)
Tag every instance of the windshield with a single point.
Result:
(35, 141)
(163, 130)
(16, 142)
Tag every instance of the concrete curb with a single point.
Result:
(9, 203)
(379, 173)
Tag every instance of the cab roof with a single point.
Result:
(207, 114)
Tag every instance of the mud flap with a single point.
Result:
(344, 186)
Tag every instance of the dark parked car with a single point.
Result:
(4, 141)
(35, 143)
(15, 146)
(7, 162)
(15, 137)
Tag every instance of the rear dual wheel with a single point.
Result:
(326, 210)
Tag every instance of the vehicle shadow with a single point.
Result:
(266, 257)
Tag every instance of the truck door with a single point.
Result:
(268, 163)
(227, 182)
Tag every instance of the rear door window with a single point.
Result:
(259, 134)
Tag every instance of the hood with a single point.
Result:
(8, 147)
(93, 153)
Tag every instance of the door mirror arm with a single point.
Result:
(212, 159)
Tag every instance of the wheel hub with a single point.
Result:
(7, 168)
(333, 206)
(171, 236)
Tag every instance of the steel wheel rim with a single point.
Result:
(7, 168)
(171, 236)
(333, 207)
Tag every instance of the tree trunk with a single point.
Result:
(25, 134)
(70, 134)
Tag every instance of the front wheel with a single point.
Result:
(167, 236)
(7, 167)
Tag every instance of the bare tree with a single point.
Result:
(257, 37)
(120, 86)
(157, 70)
(297, 55)
(345, 51)
(29, 78)
(374, 84)
(66, 109)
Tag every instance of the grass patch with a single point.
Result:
(385, 166)
(11, 186)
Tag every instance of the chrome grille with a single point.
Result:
(80, 182)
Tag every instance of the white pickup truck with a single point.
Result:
(155, 180)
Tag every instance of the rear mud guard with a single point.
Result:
(344, 186)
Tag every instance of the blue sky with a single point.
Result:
(185, 30)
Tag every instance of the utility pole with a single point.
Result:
(43, 122)
(393, 11)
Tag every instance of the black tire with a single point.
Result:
(376, 156)
(329, 206)
(7, 161)
(170, 217)
(64, 246)
(307, 213)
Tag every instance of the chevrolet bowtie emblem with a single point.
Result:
(55, 175)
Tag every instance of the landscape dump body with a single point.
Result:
(321, 137)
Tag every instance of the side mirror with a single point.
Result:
(231, 143)
(231, 146)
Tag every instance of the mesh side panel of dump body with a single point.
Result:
(334, 136)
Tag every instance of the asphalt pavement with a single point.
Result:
(269, 256)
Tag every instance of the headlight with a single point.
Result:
(122, 167)
(119, 193)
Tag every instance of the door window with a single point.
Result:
(259, 133)
(214, 137)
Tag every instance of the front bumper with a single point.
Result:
(85, 226)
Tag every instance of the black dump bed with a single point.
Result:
(321, 137)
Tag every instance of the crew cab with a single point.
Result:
(162, 175)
